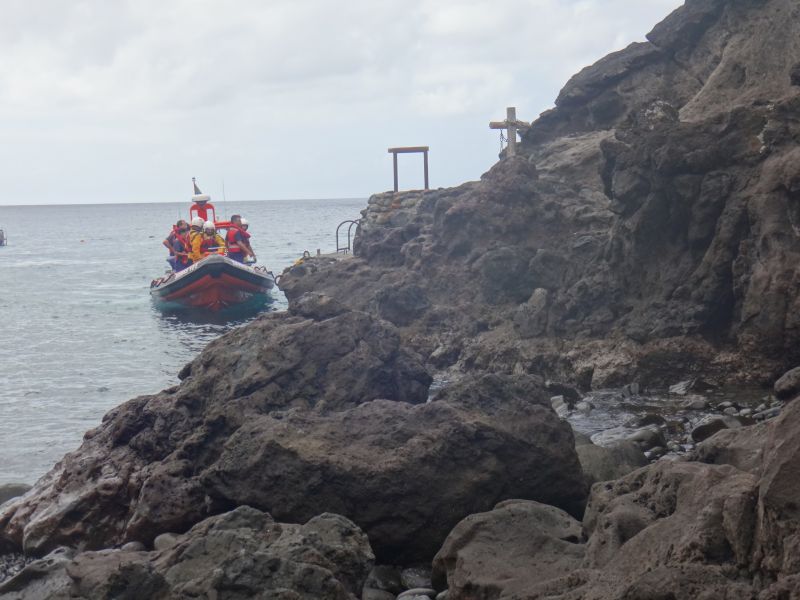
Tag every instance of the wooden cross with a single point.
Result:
(512, 125)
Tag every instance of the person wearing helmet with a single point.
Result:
(238, 240)
(210, 241)
(178, 246)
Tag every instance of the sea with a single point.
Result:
(79, 333)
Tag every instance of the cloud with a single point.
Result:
(266, 88)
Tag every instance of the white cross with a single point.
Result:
(512, 125)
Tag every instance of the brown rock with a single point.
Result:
(498, 554)
(140, 473)
(238, 555)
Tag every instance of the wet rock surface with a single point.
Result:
(237, 555)
(716, 529)
(631, 274)
(301, 432)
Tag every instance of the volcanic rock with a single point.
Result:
(486, 554)
(788, 386)
(237, 555)
(160, 464)
(646, 229)
(142, 472)
(12, 490)
(679, 530)
(477, 442)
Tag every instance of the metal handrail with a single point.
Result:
(347, 248)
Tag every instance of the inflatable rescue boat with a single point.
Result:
(215, 282)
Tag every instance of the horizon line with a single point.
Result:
(179, 202)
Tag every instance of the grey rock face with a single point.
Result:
(604, 464)
(238, 555)
(498, 553)
(788, 386)
(475, 442)
(142, 472)
(12, 490)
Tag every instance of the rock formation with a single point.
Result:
(677, 530)
(648, 232)
(297, 414)
(237, 555)
(649, 226)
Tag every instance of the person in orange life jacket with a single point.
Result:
(237, 240)
(178, 246)
(195, 234)
(209, 242)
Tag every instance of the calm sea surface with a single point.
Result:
(78, 332)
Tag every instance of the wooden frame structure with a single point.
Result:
(409, 150)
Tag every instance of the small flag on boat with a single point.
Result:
(196, 189)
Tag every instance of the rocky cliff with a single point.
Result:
(647, 231)
(649, 227)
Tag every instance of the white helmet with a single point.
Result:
(209, 225)
(197, 222)
(244, 221)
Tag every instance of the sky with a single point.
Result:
(127, 100)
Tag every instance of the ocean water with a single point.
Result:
(78, 331)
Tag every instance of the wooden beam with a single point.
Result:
(409, 149)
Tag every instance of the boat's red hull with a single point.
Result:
(214, 284)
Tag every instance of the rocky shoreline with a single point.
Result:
(573, 379)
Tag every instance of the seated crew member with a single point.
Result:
(210, 242)
(177, 245)
(237, 240)
(194, 233)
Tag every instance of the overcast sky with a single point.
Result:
(126, 100)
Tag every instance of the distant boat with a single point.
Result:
(215, 282)
(3, 238)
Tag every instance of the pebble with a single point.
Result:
(650, 419)
(133, 547)
(423, 592)
(584, 407)
(647, 439)
(731, 411)
(416, 577)
(682, 388)
(560, 405)
(385, 577)
(164, 541)
(373, 594)
(632, 389)
(745, 412)
(712, 425)
(768, 414)
(658, 452)
(442, 595)
(696, 403)
(724, 405)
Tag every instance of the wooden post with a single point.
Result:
(394, 155)
(511, 120)
(426, 169)
(407, 150)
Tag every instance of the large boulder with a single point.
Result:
(676, 530)
(142, 471)
(301, 414)
(486, 554)
(406, 474)
(238, 555)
